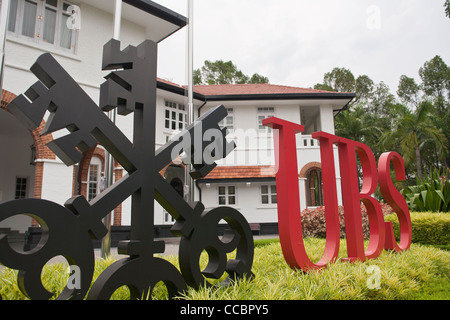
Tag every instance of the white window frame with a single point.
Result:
(228, 121)
(227, 195)
(269, 194)
(95, 163)
(38, 38)
(172, 109)
(264, 113)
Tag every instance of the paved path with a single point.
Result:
(172, 246)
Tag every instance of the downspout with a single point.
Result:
(200, 108)
(199, 190)
(343, 108)
(197, 181)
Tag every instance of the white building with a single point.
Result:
(244, 180)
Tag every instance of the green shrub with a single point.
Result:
(430, 194)
(314, 226)
(427, 227)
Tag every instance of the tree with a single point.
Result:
(343, 80)
(358, 125)
(408, 91)
(414, 135)
(447, 8)
(340, 79)
(322, 86)
(382, 100)
(364, 87)
(220, 72)
(435, 75)
(257, 78)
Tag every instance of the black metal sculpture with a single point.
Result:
(68, 230)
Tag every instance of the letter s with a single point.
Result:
(394, 198)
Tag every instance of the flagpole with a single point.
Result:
(106, 241)
(3, 29)
(190, 56)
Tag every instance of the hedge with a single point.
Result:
(314, 226)
(427, 227)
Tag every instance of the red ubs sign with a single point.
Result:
(289, 219)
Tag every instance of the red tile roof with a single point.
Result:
(244, 89)
(171, 83)
(240, 89)
(241, 172)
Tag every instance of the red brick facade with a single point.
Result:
(309, 166)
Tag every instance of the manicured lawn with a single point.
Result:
(422, 273)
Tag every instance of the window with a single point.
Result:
(21, 188)
(175, 117)
(93, 181)
(314, 189)
(228, 121)
(168, 217)
(44, 22)
(96, 182)
(269, 194)
(227, 195)
(264, 113)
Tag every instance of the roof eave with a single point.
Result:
(282, 96)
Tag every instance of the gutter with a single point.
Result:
(346, 106)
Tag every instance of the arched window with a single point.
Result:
(314, 189)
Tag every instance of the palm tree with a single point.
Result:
(412, 133)
(359, 125)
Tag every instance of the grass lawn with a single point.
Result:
(422, 273)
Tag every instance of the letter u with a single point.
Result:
(289, 218)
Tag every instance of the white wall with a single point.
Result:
(15, 158)
(248, 201)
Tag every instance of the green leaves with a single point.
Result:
(430, 194)
(224, 72)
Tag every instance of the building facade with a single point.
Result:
(244, 180)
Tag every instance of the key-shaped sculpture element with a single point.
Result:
(131, 90)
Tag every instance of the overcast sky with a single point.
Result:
(295, 42)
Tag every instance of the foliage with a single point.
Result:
(447, 8)
(414, 134)
(224, 72)
(430, 194)
(416, 124)
(427, 227)
(403, 276)
(340, 79)
(408, 91)
(313, 221)
(435, 75)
